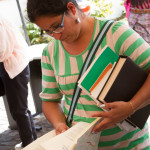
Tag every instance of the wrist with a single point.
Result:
(132, 107)
(61, 127)
(58, 125)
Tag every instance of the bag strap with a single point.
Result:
(86, 64)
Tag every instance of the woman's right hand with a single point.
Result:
(60, 128)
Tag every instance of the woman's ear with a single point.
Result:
(71, 7)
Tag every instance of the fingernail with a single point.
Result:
(63, 131)
(102, 106)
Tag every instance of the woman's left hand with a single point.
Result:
(116, 112)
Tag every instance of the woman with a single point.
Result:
(138, 14)
(63, 59)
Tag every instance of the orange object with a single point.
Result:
(86, 9)
(101, 76)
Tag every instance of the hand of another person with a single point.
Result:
(60, 128)
(117, 111)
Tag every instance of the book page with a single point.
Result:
(64, 141)
(87, 140)
(68, 139)
(36, 144)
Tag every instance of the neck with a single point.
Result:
(81, 43)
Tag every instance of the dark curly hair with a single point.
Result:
(137, 2)
(36, 8)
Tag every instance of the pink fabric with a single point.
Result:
(13, 48)
(127, 7)
(141, 24)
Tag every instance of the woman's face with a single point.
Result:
(68, 32)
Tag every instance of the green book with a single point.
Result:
(106, 57)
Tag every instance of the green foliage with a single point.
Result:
(35, 36)
(101, 8)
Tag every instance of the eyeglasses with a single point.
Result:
(58, 29)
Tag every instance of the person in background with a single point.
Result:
(15, 75)
(63, 58)
(138, 15)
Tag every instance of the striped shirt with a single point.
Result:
(60, 71)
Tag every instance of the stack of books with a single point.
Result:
(115, 78)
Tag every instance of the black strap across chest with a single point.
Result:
(86, 64)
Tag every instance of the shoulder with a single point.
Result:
(115, 26)
(121, 30)
(118, 24)
(48, 48)
(51, 50)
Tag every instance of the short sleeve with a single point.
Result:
(127, 42)
(50, 90)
